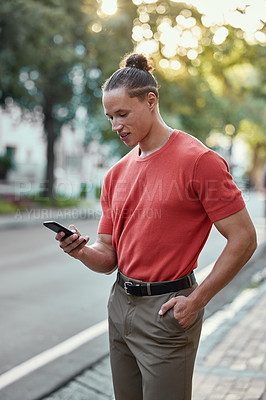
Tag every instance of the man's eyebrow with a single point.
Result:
(117, 112)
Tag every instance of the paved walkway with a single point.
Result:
(235, 367)
(231, 361)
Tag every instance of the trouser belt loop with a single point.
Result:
(189, 280)
(149, 289)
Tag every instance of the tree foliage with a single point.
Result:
(52, 60)
(215, 75)
(41, 55)
(55, 55)
(212, 73)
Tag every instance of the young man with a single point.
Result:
(159, 203)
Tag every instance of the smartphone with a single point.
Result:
(56, 227)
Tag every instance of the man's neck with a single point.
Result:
(155, 144)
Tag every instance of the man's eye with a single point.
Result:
(123, 115)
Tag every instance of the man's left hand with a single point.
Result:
(184, 311)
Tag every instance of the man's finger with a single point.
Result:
(74, 229)
(166, 306)
(60, 235)
(77, 245)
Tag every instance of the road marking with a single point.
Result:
(71, 344)
(67, 346)
(52, 354)
(202, 273)
(260, 226)
(212, 323)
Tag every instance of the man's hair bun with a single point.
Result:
(136, 61)
(135, 75)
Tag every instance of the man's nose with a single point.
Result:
(116, 127)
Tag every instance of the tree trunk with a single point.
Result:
(51, 137)
(257, 168)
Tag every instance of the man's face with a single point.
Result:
(130, 117)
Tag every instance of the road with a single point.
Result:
(46, 297)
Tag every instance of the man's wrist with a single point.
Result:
(197, 301)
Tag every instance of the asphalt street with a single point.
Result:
(46, 298)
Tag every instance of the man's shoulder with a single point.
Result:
(191, 141)
(188, 147)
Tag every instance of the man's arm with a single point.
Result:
(240, 233)
(99, 257)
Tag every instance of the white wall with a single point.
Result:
(74, 164)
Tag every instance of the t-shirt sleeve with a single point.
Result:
(215, 187)
(106, 224)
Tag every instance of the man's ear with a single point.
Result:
(151, 100)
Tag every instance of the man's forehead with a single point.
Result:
(116, 99)
(114, 94)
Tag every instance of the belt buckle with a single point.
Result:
(126, 284)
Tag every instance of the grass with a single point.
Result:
(58, 202)
(10, 205)
(7, 208)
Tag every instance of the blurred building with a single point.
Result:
(77, 167)
(25, 142)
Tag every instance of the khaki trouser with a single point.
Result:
(152, 356)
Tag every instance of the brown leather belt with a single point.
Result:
(139, 288)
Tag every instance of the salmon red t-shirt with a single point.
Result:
(159, 209)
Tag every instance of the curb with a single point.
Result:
(94, 383)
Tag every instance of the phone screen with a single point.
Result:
(56, 227)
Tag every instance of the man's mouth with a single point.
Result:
(124, 135)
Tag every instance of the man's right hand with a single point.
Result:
(74, 244)
(99, 257)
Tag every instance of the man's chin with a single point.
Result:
(131, 145)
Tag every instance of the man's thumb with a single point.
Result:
(166, 306)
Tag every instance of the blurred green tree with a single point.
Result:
(211, 66)
(55, 55)
(252, 134)
(212, 73)
(53, 58)
(42, 51)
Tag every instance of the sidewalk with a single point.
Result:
(231, 361)
(234, 366)
(35, 216)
